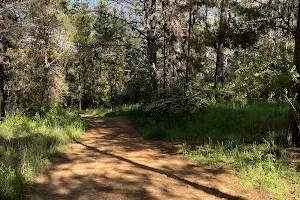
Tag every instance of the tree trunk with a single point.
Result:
(150, 9)
(220, 63)
(220, 66)
(293, 128)
(80, 92)
(293, 120)
(164, 47)
(2, 90)
(187, 70)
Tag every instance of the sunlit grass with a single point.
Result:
(27, 145)
(262, 165)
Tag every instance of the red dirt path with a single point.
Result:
(112, 161)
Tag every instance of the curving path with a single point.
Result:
(112, 161)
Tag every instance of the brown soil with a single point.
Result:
(112, 161)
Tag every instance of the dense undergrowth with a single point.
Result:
(249, 138)
(248, 123)
(28, 143)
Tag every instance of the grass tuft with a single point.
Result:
(27, 145)
(257, 165)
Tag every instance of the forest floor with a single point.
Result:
(113, 161)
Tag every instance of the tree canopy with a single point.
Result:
(167, 54)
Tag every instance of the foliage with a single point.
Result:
(258, 78)
(195, 70)
(222, 122)
(249, 123)
(27, 145)
(167, 102)
(110, 53)
(33, 72)
(258, 165)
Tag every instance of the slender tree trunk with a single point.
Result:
(80, 92)
(2, 90)
(206, 16)
(150, 9)
(164, 47)
(187, 69)
(220, 64)
(3, 93)
(293, 121)
(111, 94)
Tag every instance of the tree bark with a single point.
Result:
(164, 47)
(2, 90)
(187, 70)
(80, 88)
(293, 120)
(150, 9)
(220, 63)
(220, 66)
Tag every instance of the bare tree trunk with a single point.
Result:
(111, 93)
(187, 69)
(293, 121)
(164, 47)
(150, 9)
(206, 16)
(220, 64)
(80, 92)
(2, 90)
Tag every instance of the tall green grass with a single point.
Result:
(249, 138)
(27, 145)
(248, 123)
(258, 165)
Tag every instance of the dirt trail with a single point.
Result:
(112, 161)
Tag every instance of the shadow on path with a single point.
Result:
(208, 190)
(113, 162)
